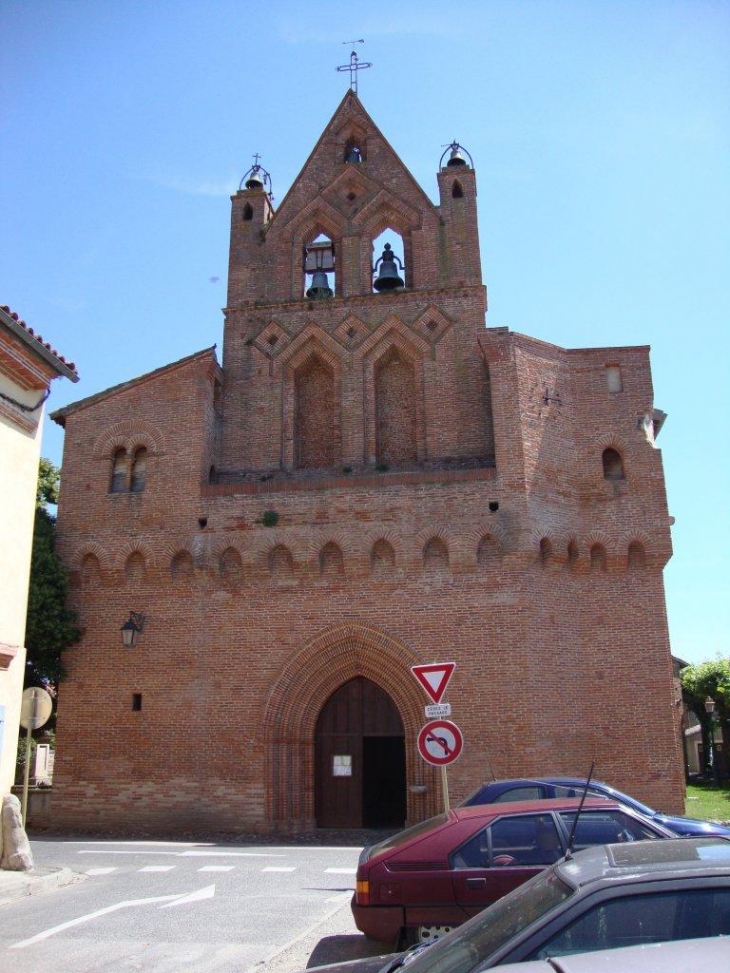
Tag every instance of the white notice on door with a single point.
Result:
(342, 766)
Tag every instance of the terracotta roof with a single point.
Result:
(61, 364)
(60, 415)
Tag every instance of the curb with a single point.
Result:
(15, 885)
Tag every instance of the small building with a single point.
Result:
(369, 479)
(28, 365)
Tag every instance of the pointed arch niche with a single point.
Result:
(314, 415)
(325, 664)
(311, 426)
(395, 408)
(395, 426)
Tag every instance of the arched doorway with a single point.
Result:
(360, 777)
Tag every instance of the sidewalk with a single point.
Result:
(14, 885)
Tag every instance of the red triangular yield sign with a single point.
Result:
(434, 678)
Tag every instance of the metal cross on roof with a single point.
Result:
(355, 65)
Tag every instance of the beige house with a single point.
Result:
(28, 365)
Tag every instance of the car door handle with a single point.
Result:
(476, 883)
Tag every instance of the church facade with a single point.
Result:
(368, 480)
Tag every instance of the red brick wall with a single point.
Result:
(493, 538)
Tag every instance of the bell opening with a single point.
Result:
(319, 268)
(388, 265)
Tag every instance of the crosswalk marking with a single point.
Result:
(217, 868)
(157, 868)
(340, 871)
(101, 871)
(274, 868)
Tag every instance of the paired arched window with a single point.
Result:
(129, 470)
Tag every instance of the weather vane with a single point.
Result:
(355, 65)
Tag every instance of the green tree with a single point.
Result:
(709, 679)
(51, 625)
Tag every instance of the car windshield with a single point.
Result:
(468, 947)
(400, 836)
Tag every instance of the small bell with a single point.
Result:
(353, 154)
(456, 158)
(320, 286)
(255, 180)
(388, 279)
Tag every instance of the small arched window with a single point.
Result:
(119, 472)
(456, 191)
(573, 554)
(613, 465)
(546, 551)
(135, 567)
(181, 567)
(436, 556)
(331, 564)
(636, 556)
(231, 567)
(598, 557)
(139, 470)
(382, 557)
(247, 212)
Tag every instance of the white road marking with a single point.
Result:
(158, 868)
(170, 844)
(110, 851)
(167, 900)
(101, 871)
(340, 871)
(227, 854)
(216, 868)
(279, 868)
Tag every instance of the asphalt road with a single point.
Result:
(175, 907)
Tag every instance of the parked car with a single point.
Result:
(601, 898)
(688, 954)
(425, 880)
(540, 788)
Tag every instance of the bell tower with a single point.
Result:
(353, 315)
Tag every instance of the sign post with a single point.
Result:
(35, 709)
(440, 742)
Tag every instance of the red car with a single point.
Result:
(427, 879)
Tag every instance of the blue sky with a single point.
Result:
(600, 133)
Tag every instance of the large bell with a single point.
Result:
(320, 286)
(353, 154)
(388, 279)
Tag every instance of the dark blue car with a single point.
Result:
(537, 788)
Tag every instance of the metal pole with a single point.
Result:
(445, 788)
(27, 773)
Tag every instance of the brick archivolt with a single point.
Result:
(135, 547)
(129, 435)
(305, 684)
(95, 550)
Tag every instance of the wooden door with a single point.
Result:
(359, 759)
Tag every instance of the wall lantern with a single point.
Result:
(709, 706)
(132, 629)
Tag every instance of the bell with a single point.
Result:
(320, 286)
(388, 279)
(456, 158)
(254, 181)
(353, 155)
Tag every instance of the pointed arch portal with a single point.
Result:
(348, 693)
(360, 759)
